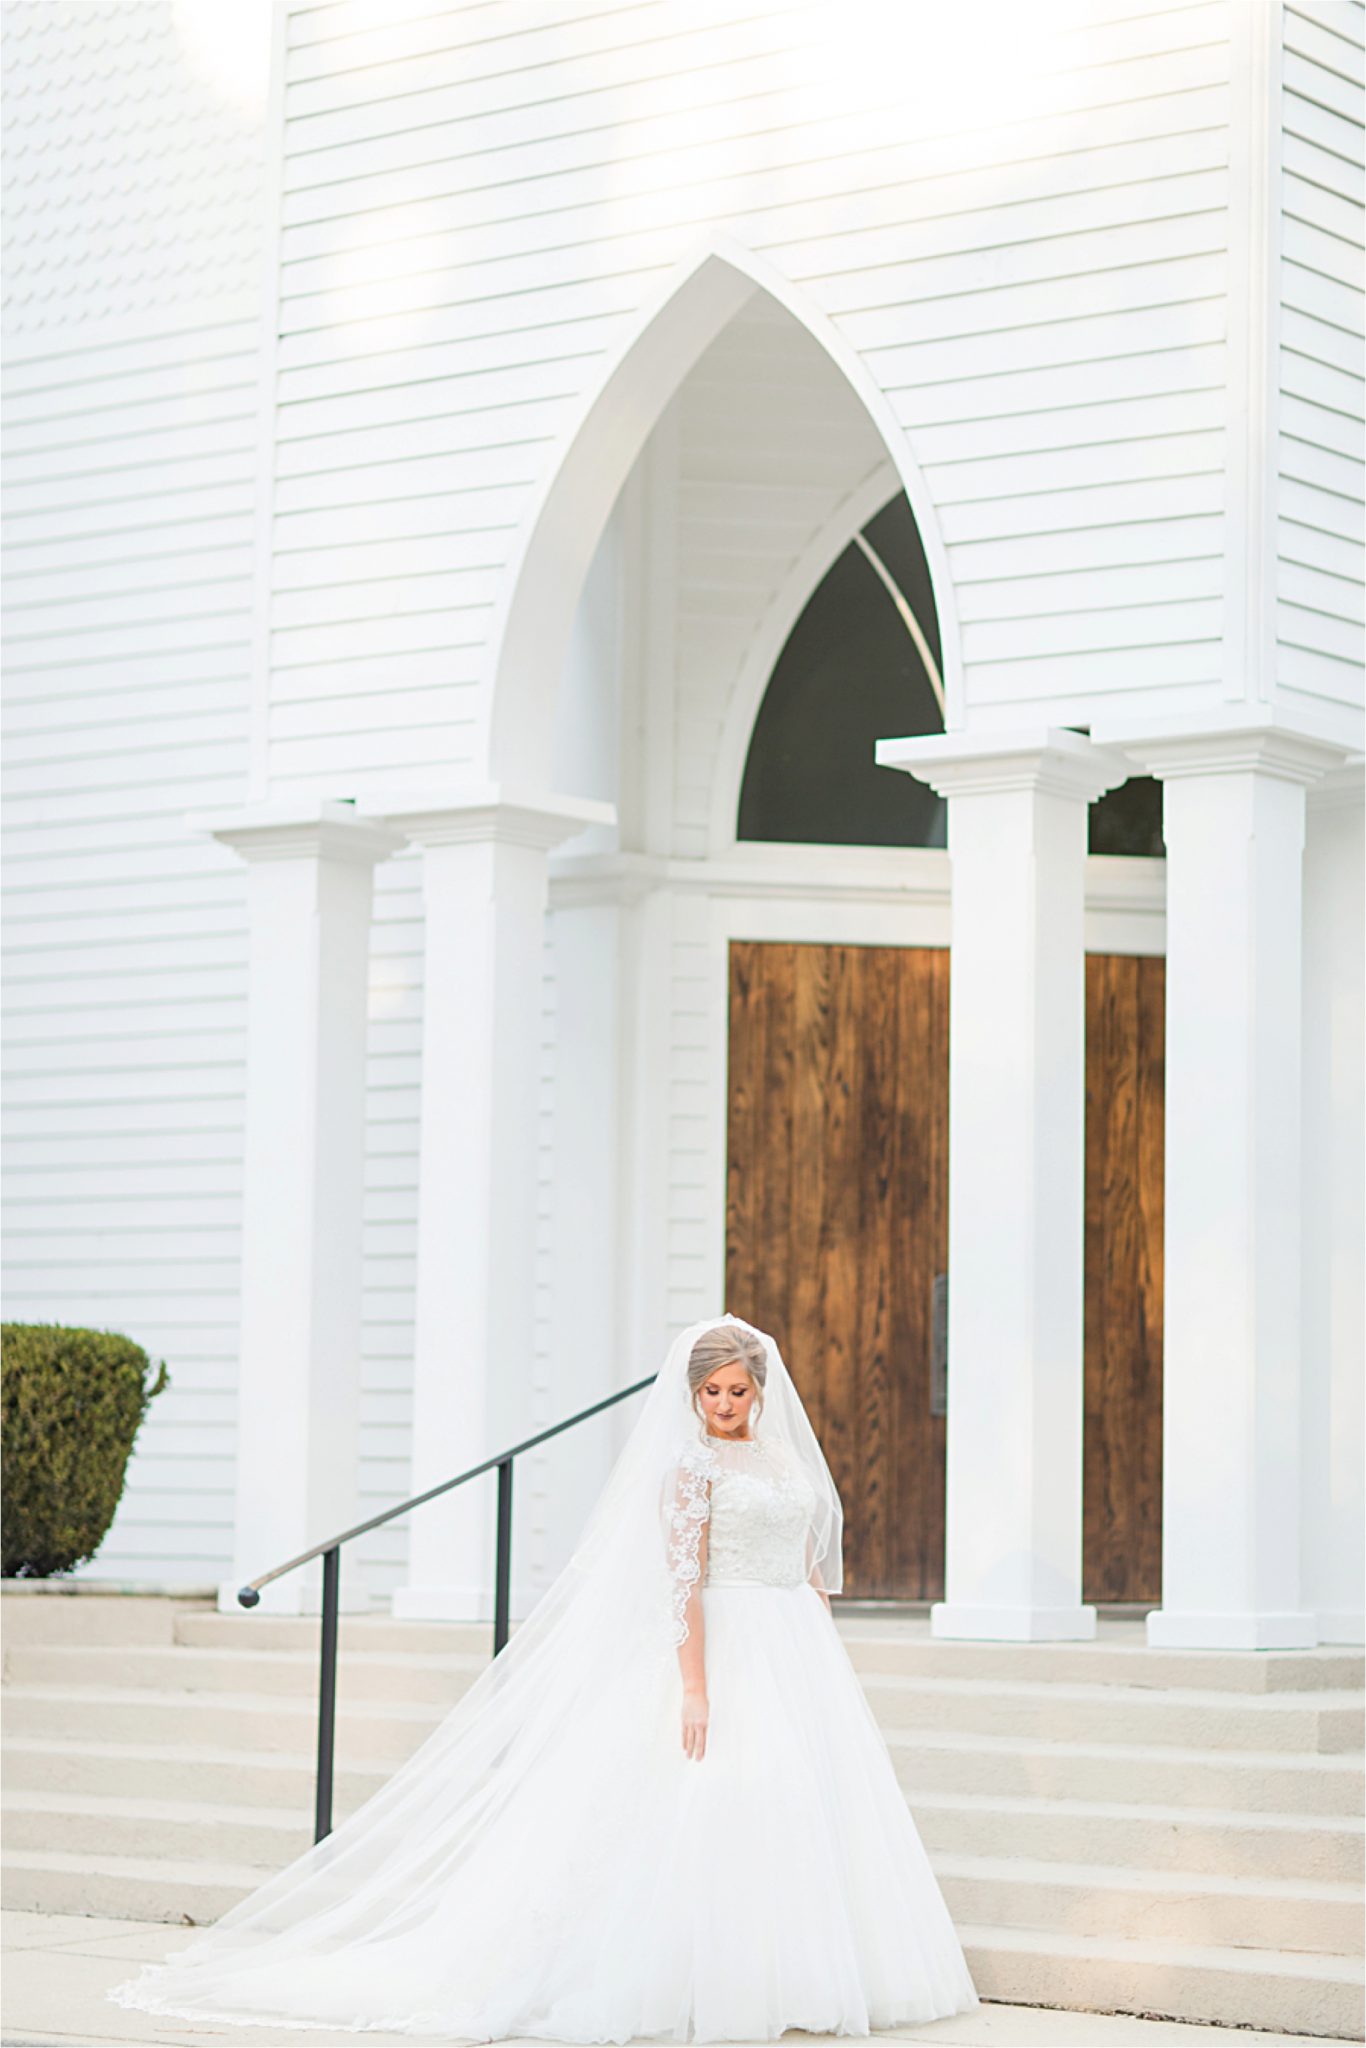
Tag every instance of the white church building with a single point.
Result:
(682, 656)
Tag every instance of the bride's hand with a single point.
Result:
(695, 1725)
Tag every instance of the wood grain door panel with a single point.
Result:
(1122, 1457)
(837, 1222)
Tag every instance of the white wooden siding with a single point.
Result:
(474, 206)
(1320, 529)
(132, 248)
(127, 626)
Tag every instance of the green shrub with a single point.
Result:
(73, 1402)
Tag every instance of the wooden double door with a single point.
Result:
(837, 1240)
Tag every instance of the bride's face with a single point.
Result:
(727, 1400)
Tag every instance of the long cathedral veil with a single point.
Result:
(601, 1628)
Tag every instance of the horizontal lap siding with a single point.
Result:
(132, 240)
(1319, 609)
(475, 206)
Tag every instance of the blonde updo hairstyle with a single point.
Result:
(726, 1344)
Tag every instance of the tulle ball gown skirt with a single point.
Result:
(628, 1891)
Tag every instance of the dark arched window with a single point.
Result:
(849, 674)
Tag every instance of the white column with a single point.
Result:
(484, 891)
(1233, 820)
(1333, 1219)
(309, 898)
(604, 1206)
(1017, 1094)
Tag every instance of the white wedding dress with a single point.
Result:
(626, 1890)
(551, 1864)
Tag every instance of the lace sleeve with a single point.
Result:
(688, 1506)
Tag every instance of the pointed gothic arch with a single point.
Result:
(557, 538)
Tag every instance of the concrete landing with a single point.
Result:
(58, 1968)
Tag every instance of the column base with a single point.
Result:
(1012, 1624)
(1171, 1629)
(1345, 1627)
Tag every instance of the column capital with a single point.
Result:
(1342, 789)
(1208, 743)
(315, 829)
(495, 811)
(1052, 760)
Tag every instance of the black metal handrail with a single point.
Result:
(330, 1552)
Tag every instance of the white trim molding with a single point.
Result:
(493, 812)
(317, 829)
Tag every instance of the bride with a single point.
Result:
(665, 1808)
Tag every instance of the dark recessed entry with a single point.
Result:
(1129, 819)
(849, 674)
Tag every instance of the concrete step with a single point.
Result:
(1210, 1843)
(904, 1648)
(190, 1771)
(1327, 1723)
(43, 1772)
(124, 1887)
(908, 1650)
(383, 1732)
(258, 1725)
(900, 1644)
(114, 1828)
(1291, 1994)
(1097, 1899)
(362, 1675)
(1242, 1780)
(998, 1889)
(376, 1634)
(76, 1614)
